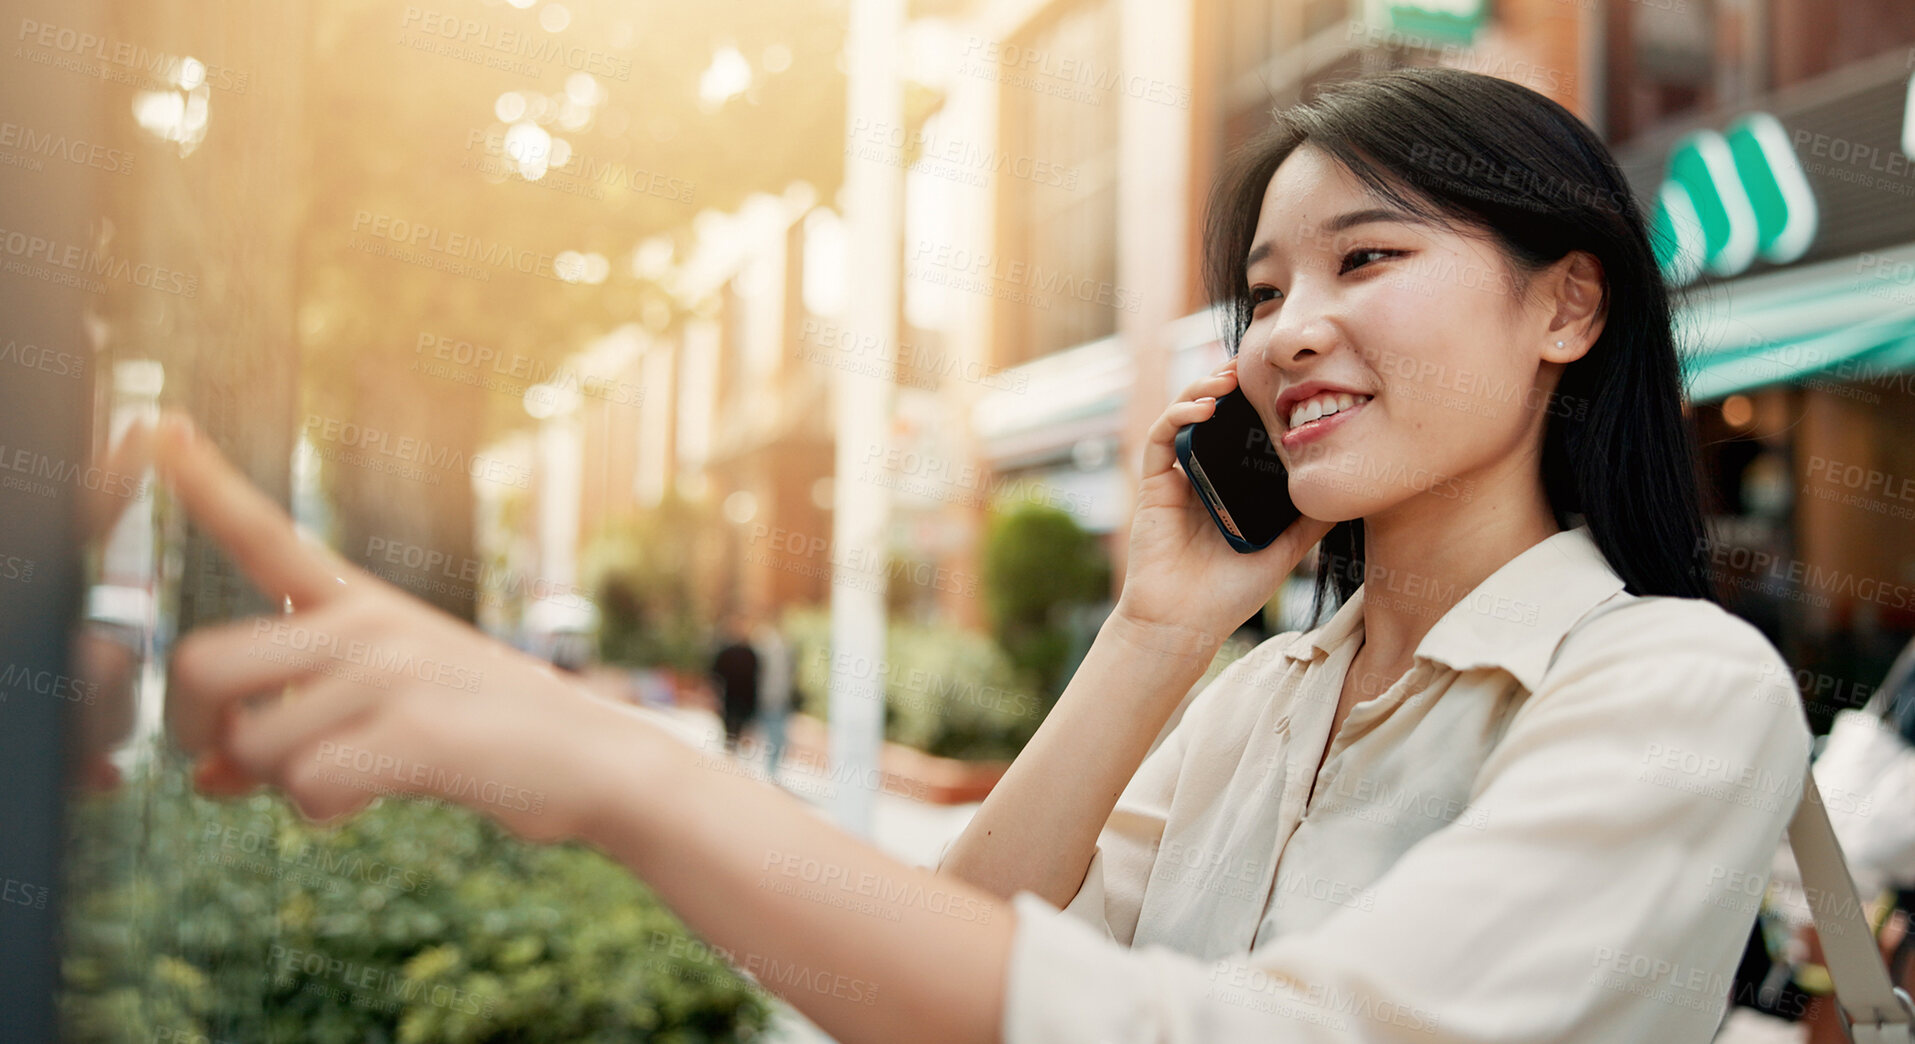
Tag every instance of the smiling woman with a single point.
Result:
(1475, 249)
(1473, 805)
(1493, 798)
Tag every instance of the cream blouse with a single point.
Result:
(1555, 827)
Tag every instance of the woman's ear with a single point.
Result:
(1577, 288)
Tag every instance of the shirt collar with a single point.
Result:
(1514, 619)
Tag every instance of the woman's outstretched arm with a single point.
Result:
(868, 947)
(1037, 829)
(363, 690)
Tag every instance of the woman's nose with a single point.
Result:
(1290, 339)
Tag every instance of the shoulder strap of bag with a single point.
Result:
(1891, 699)
(1872, 1009)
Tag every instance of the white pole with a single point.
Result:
(873, 194)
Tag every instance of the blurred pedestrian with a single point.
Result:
(776, 667)
(734, 673)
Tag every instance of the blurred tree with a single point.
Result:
(408, 154)
(1039, 565)
(641, 572)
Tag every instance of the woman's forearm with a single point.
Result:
(867, 947)
(1037, 829)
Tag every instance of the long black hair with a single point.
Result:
(1487, 155)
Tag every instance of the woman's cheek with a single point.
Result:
(1412, 444)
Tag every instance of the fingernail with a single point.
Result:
(1205, 399)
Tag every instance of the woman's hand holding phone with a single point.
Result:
(1182, 577)
(1185, 590)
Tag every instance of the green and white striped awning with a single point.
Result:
(1848, 319)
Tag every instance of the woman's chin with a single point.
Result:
(1333, 500)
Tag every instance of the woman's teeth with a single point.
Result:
(1324, 405)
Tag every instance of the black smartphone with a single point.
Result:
(1232, 462)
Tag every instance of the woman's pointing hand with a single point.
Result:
(361, 689)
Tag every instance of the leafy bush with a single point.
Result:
(946, 692)
(641, 573)
(1040, 568)
(191, 919)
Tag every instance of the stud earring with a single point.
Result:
(1559, 344)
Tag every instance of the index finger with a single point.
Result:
(103, 505)
(251, 528)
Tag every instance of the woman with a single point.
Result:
(1512, 790)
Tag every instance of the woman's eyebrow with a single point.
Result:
(1350, 219)
(1347, 219)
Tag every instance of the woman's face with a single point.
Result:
(1441, 369)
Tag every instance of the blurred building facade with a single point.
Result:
(715, 413)
(1774, 140)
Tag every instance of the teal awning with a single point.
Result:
(1850, 319)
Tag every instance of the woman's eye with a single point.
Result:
(1261, 294)
(1366, 254)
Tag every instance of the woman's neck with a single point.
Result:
(1425, 555)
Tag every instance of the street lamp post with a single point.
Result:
(873, 194)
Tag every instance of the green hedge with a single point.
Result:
(197, 920)
(947, 692)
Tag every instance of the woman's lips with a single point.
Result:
(1310, 431)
